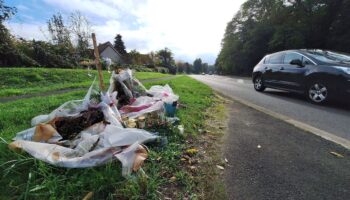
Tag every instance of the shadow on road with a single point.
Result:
(300, 99)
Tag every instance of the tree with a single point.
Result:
(205, 67)
(188, 68)
(6, 44)
(62, 47)
(60, 34)
(80, 27)
(134, 56)
(166, 57)
(197, 65)
(6, 11)
(119, 45)
(181, 66)
(9, 54)
(153, 58)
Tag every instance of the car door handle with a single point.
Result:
(282, 68)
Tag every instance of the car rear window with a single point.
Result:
(274, 59)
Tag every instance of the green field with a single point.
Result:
(26, 178)
(19, 81)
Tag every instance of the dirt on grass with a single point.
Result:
(202, 159)
(70, 127)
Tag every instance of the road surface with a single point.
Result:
(270, 159)
(334, 119)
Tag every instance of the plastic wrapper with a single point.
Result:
(158, 96)
(141, 106)
(164, 93)
(70, 108)
(126, 86)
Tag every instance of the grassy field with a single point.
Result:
(150, 75)
(23, 177)
(19, 81)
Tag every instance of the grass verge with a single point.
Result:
(165, 173)
(150, 75)
(210, 145)
(20, 81)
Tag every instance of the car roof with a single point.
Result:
(300, 51)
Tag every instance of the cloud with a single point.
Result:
(22, 7)
(27, 30)
(190, 28)
(98, 8)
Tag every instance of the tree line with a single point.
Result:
(68, 45)
(265, 26)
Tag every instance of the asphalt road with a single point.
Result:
(271, 159)
(334, 119)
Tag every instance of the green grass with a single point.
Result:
(22, 177)
(19, 81)
(150, 75)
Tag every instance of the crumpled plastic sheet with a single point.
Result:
(140, 103)
(164, 93)
(96, 145)
(132, 87)
(141, 106)
(146, 104)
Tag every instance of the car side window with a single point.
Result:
(291, 56)
(306, 61)
(266, 60)
(274, 59)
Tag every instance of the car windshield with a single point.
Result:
(329, 56)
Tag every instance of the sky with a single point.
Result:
(189, 28)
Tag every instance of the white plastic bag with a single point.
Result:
(164, 93)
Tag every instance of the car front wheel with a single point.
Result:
(318, 93)
(259, 84)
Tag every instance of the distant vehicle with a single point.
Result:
(203, 73)
(320, 75)
(210, 73)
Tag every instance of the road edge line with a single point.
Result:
(307, 128)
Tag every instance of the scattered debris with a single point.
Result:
(94, 131)
(259, 146)
(336, 154)
(192, 151)
(173, 179)
(181, 129)
(220, 167)
(70, 127)
(226, 160)
(88, 196)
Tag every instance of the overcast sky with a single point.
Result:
(190, 28)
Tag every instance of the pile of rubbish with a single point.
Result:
(101, 127)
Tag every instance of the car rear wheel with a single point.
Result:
(318, 93)
(259, 84)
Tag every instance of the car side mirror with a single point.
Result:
(297, 62)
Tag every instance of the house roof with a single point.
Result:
(102, 47)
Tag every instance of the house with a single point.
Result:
(107, 50)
